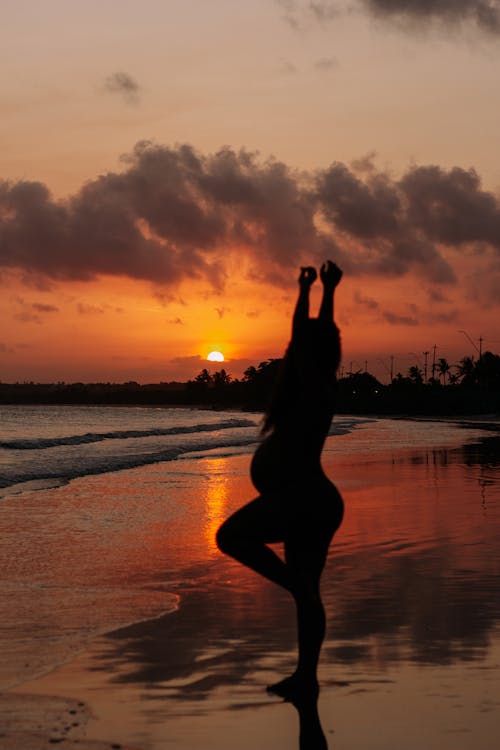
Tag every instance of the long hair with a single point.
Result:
(312, 354)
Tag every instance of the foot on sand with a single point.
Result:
(295, 688)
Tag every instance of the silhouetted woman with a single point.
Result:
(297, 504)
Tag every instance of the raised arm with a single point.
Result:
(330, 275)
(307, 278)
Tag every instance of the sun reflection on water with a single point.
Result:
(215, 500)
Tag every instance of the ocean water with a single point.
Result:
(410, 588)
(49, 445)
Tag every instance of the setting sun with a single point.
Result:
(215, 357)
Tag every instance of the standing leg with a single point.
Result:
(306, 550)
(306, 556)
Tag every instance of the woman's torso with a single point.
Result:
(290, 456)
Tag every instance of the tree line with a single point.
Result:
(470, 387)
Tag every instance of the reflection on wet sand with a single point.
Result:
(311, 735)
(413, 578)
(410, 589)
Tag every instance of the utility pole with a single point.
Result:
(366, 365)
(434, 360)
(392, 367)
(426, 354)
(480, 347)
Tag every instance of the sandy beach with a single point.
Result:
(182, 642)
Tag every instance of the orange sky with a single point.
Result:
(139, 274)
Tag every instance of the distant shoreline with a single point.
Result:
(415, 401)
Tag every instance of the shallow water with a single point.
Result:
(412, 652)
(45, 446)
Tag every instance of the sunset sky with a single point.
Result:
(166, 167)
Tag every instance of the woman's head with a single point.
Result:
(315, 348)
(313, 353)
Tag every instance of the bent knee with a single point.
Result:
(230, 540)
(225, 539)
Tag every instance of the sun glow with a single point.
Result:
(215, 357)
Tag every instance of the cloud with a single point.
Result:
(39, 307)
(25, 316)
(326, 64)
(398, 320)
(443, 317)
(173, 214)
(323, 10)
(176, 322)
(364, 164)
(124, 85)
(436, 295)
(166, 298)
(287, 67)
(451, 205)
(367, 302)
(289, 8)
(84, 309)
(484, 15)
(25, 310)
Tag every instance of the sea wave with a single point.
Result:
(36, 461)
(97, 464)
(41, 443)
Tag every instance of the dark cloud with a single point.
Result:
(451, 206)
(40, 307)
(174, 213)
(365, 209)
(364, 164)
(176, 322)
(399, 320)
(484, 13)
(123, 84)
(481, 14)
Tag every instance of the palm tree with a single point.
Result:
(443, 368)
(415, 374)
(203, 377)
(466, 369)
(221, 378)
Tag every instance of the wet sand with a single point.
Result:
(412, 654)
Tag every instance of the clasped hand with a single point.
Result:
(330, 275)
